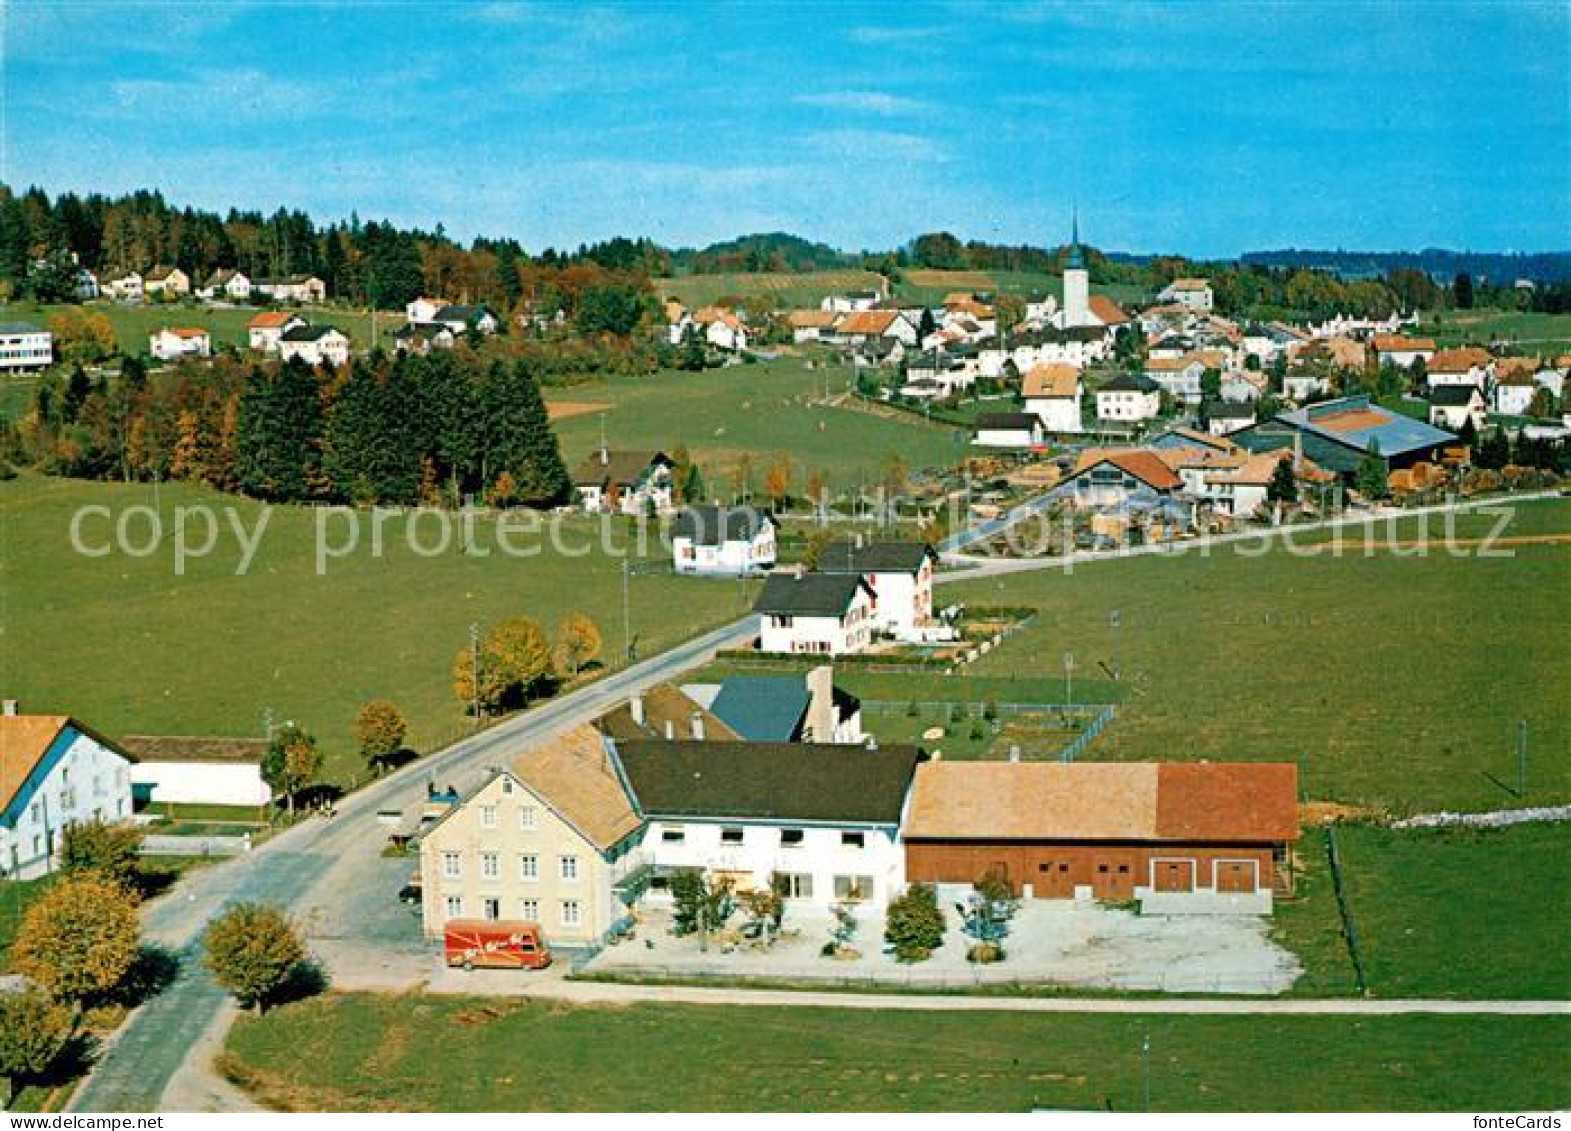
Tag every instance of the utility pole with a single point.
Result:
(1069, 679)
(1521, 757)
(627, 615)
(1116, 620)
(267, 723)
(474, 671)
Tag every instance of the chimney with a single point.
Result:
(635, 705)
(670, 730)
(10, 708)
(698, 726)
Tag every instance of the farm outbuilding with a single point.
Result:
(1181, 838)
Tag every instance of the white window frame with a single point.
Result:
(529, 867)
(452, 865)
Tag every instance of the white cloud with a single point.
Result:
(876, 145)
(863, 101)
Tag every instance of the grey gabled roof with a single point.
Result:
(716, 525)
(1453, 396)
(307, 333)
(809, 594)
(1001, 420)
(843, 556)
(769, 781)
(1130, 383)
(763, 708)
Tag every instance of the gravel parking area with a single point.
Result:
(1081, 945)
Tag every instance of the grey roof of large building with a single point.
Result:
(1130, 383)
(769, 781)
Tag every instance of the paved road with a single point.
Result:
(290, 870)
(981, 566)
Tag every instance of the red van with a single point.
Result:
(498, 944)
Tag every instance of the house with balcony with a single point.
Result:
(816, 614)
(901, 577)
(819, 822)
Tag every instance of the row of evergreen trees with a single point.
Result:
(398, 430)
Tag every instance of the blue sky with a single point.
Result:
(1201, 129)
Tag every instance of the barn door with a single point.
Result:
(1175, 875)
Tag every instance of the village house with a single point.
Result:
(1452, 406)
(783, 708)
(314, 345)
(264, 331)
(1178, 837)
(900, 575)
(1243, 491)
(54, 772)
(420, 338)
(127, 287)
(1129, 398)
(1269, 341)
(819, 614)
(1229, 416)
(822, 821)
(226, 283)
(1517, 383)
(854, 329)
(1052, 392)
(24, 346)
(624, 482)
(1179, 377)
(1468, 365)
(1009, 430)
(197, 771)
(86, 283)
(811, 325)
(1304, 384)
(1079, 346)
(721, 540)
(304, 289)
(460, 319)
(174, 342)
(165, 280)
(850, 303)
(1192, 294)
(424, 308)
(550, 838)
(721, 328)
(1400, 350)
(1105, 478)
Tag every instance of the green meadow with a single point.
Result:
(757, 411)
(806, 289)
(373, 1053)
(1393, 680)
(130, 647)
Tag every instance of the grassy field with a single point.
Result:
(367, 1053)
(804, 290)
(1453, 913)
(133, 324)
(760, 410)
(132, 648)
(1392, 680)
(1535, 333)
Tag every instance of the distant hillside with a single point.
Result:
(1499, 268)
(766, 251)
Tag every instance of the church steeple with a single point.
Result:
(1076, 260)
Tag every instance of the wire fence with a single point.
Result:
(1349, 930)
(993, 978)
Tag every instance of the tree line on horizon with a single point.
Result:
(381, 265)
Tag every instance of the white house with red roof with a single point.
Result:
(265, 330)
(174, 342)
